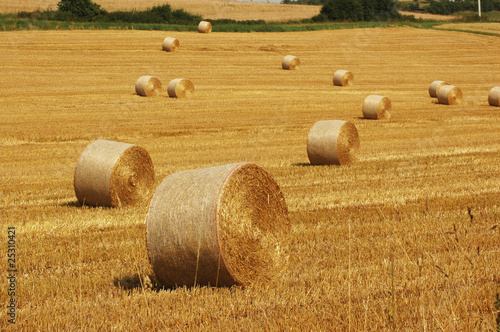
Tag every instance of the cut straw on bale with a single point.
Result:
(148, 86)
(376, 107)
(217, 226)
(170, 44)
(114, 174)
(434, 88)
(290, 62)
(204, 27)
(449, 95)
(180, 88)
(494, 96)
(343, 78)
(332, 142)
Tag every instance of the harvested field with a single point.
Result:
(211, 9)
(406, 238)
(493, 28)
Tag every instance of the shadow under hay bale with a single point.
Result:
(434, 88)
(449, 95)
(217, 226)
(170, 44)
(332, 142)
(377, 107)
(343, 78)
(494, 96)
(113, 174)
(290, 62)
(148, 86)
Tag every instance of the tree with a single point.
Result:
(80, 10)
(359, 10)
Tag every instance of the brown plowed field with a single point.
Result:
(407, 238)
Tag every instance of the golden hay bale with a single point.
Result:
(343, 78)
(449, 95)
(435, 86)
(494, 96)
(148, 86)
(204, 27)
(113, 174)
(217, 226)
(180, 88)
(376, 107)
(290, 62)
(170, 44)
(332, 142)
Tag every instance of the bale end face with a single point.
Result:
(332, 142)
(148, 86)
(204, 27)
(343, 78)
(170, 44)
(449, 95)
(494, 96)
(290, 62)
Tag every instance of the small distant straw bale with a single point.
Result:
(170, 44)
(494, 96)
(180, 88)
(376, 107)
(113, 174)
(217, 226)
(290, 62)
(148, 86)
(332, 142)
(204, 27)
(435, 86)
(449, 95)
(343, 78)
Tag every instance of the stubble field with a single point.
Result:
(407, 238)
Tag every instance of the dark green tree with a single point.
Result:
(343, 10)
(80, 10)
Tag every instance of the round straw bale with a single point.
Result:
(376, 107)
(180, 88)
(204, 27)
(449, 95)
(494, 96)
(113, 174)
(343, 78)
(170, 44)
(435, 86)
(217, 226)
(148, 86)
(332, 142)
(290, 62)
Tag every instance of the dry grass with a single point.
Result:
(404, 239)
(212, 9)
(480, 27)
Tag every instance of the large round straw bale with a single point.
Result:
(204, 27)
(217, 226)
(494, 96)
(449, 95)
(376, 107)
(170, 44)
(180, 88)
(343, 78)
(113, 174)
(332, 142)
(148, 86)
(435, 86)
(290, 62)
